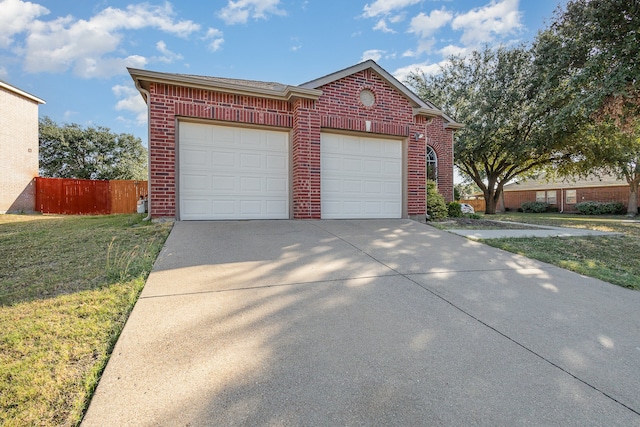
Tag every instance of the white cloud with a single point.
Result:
(239, 12)
(384, 7)
(216, 38)
(426, 25)
(296, 45)
(397, 18)
(83, 45)
(375, 54)
(105, 67)
(3, 73)
(69, 114)
(16, 17)
(409, 53)
(422, 68)
(452, 50)
(131, 100)
(381, 25)
(481, 25)
(167, 56)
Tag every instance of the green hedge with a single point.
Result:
(600, 208)
(455, 210)
(534, 207)
(436, 206)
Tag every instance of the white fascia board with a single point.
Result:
(21, 93)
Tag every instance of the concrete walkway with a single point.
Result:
(367, 323)
(539, 231)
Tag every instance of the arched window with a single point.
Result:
(432, 165)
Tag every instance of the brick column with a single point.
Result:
(162, 144)
(306, 160)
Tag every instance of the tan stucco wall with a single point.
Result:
(18, 152)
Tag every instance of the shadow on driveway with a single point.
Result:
(380, 322)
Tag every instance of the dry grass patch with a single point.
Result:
(67, 286)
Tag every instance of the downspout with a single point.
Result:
(148, 96)
(562, 200)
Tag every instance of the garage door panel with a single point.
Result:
(360, 177)
(373, 187)
(351, 186)
(276, 185)
(223, 159)
(223, 184)
(250, 185)
(373, 166)
(275, 163)
(195, 182)
(197, 158)
(195, 206)
(245, 174)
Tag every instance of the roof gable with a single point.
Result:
(421, 107)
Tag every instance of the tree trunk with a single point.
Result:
(632, 209)
(490, 201)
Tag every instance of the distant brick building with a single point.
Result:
(352, 144)
(18, 149)
(565, 194)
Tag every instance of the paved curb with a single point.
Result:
(542, 231)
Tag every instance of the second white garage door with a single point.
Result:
(232, 173)
(360, 177)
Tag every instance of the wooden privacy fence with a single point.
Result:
(86, 196)
(478, 204)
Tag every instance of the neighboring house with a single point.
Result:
(352, 144)
(566, 193)
(18, 149)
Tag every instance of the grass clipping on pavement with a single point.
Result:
(67, 286)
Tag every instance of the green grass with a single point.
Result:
(613, 259)
(67, 286)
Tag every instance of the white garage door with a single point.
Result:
(360, 177)
(232, 173)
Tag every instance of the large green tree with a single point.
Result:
(70, 151)
(590, 57)
(496, 94)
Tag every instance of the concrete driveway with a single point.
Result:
(367, 323)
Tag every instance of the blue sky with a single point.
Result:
(74, 54)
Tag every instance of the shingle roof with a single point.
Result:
(240, 82)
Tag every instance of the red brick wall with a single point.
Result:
(338, 108)
(513, 200)
(392, 114)
(441, 140)
(305, 160)
(169, 102)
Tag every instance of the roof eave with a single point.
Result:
(22, 93)
(454, 126)
(287, 94)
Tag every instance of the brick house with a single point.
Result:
(565, 194)
(352, 144)
(18, 149)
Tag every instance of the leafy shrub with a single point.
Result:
(436, 206)
(600, 208)
(455, 210)
(534, 207)
(473, 216)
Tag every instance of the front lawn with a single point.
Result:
(67, 286)
(613, 259)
